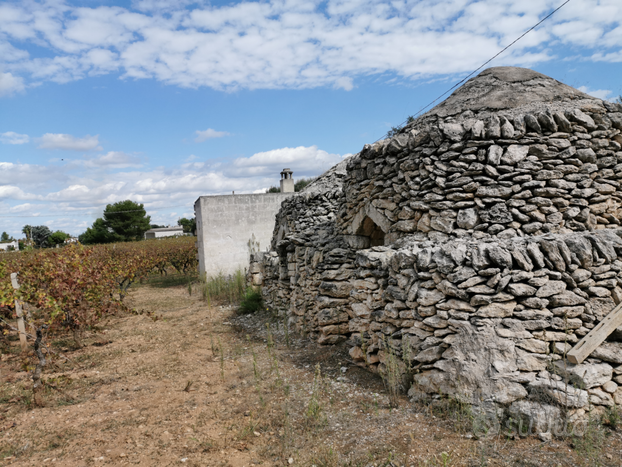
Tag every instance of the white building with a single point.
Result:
(7, 246)
(164, 232)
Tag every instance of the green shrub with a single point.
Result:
(251, 302)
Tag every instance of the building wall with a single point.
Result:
(6, 246)
(226, 224)
(170, 233)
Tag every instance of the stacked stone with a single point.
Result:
(501, 311)
(310, 265)
(501, 247)
(487, 175)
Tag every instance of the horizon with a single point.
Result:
(162, 102)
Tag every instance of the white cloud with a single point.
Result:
(10, 84)
(301, 159)
(600, 93)
(290, 43)
(10, 137)
(114, 160)
(69, 142)
(208, 134)
(73, 194)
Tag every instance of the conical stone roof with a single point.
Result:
(503, 88)
(510, 153)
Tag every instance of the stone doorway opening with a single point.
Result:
(370, 229)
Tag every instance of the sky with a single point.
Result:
(163, 101)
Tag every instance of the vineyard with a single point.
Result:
(73, 288)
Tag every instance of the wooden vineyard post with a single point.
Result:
(20, 316)
(596, 336)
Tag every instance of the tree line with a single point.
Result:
(124, 221)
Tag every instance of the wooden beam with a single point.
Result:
(596, 336)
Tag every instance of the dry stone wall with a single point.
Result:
(478, 245)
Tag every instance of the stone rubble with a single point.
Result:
(479, 244)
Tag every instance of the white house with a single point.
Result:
(7, 246)
(164, 232)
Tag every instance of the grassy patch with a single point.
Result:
(223, 288)
(252, 302)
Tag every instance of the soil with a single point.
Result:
(200, 386)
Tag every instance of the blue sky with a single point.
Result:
(163, 101)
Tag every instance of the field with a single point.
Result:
(195, 384)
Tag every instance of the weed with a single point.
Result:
(591, 443)
(252, 301)
(314, 409)
(222, 360)
(611, 417)
(453, 408)
(225, 289)
(392, 376)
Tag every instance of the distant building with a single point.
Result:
(164, 232)
(7, 246)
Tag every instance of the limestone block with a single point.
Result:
(521, 290)
(526, 361)
(599, 397)
(566, 298)
(427, 297)
(609, 352)
(564, 394)
(360, 310)
(335, 289)
(533, 345)
(496, 310)
(534, 417)
(357, 354)
(585, 375)
(514, 154)
(610, 387)
(430, 354)
(600, 307)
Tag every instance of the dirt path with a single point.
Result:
(202, 387)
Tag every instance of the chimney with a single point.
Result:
(287, 182)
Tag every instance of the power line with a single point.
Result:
(481, 66)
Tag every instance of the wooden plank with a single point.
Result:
(596, 336)
(20, 316)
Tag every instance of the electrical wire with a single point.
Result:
(416, 115)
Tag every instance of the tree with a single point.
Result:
(302, 183)
(127, 219)
(99, 233)
(40, 234)
(189, 225)
(5, 238)
(58, 238)
(27, 230)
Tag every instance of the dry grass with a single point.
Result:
(201, 386)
